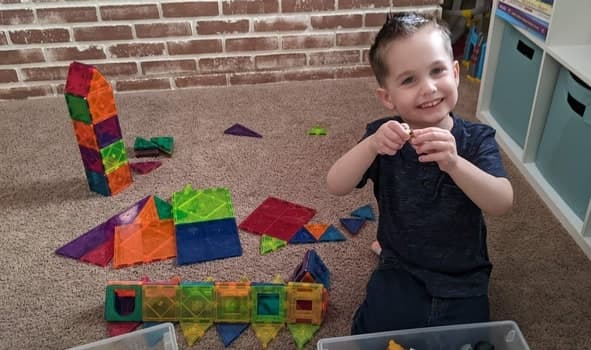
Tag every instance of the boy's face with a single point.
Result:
(422, 85)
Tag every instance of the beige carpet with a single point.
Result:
(541, 279)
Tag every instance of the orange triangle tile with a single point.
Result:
(98, 81)
(317, 230)
(148, 214)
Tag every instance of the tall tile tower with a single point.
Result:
(94, 116)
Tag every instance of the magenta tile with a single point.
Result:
(91, 159)
(79, 77)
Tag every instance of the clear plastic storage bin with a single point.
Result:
(515, 83)
(564, 153)
(504, 335)
(159, 337)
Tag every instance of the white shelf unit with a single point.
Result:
(568, 45)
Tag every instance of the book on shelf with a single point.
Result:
(533, 7)
(523, 19)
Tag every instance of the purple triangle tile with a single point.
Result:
(144, 167)
(100, 234)
(128, 216)
(241, 130)
(87, 242)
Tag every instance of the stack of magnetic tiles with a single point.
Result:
(94, 116)
(266, 307)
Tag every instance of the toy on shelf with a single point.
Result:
(231, 306)
(92, 108)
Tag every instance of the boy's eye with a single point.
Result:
(437, 70)
(408, 80)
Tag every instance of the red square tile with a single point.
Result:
(277, 218)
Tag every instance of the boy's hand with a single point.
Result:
(390, 137)
(436, 145)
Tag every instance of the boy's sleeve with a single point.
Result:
(372, 171)
(488, 157)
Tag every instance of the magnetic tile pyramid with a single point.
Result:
(277, 218)
(92, 108)
(205, 225)
(142, 233)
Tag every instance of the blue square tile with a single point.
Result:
(207, 240)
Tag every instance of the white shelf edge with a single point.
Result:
(573, 57)
(567, 218)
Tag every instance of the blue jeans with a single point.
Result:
(396, 300)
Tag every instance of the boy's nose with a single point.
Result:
(429, 87)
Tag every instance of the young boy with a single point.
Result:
(433, 175)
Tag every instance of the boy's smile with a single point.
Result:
(422, 82)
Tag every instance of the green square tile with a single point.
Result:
(112, 302)
(78, 108)
(197, 302)
(113, 156)
(190, 205)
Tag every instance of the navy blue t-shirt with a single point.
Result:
(427, 225)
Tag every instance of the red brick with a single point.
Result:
(365, 56)
(44, 73)
(252, 44)
(101, 33)
(354, 72)
(67, 15)
(218, 27)
(190, 9)
(355, 39)
(337, 21)
(255, 78)
(60, 89)
(334, 57)
(143, 84)
(235, 7)
(39, 36)
(349, 4)
(74, 53)
(3, 39)
(309, 74)
(20, 93)
(281, 24)
(159, 30)
(280, 61)
(21, 56)
(194, 46)
(10, 1)
(14, 17)
(307, 5)
(8, 76)
(167, 67)
(375, 19)
(307, 41)
(117, 69)
(226, 64)
(137, 50)
(397, 3)
(127, 12)
(426, 2)
(201, 80)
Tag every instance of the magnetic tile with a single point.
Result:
(277, 218)
(241, 130)
(208, 240)
(78, 79)
(190, 205)
(107, 131)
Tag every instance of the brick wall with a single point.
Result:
(164, 44)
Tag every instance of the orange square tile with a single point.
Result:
(119, 179)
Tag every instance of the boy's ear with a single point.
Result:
(385, 98)
(456, 68)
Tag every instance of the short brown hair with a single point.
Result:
(400, 25)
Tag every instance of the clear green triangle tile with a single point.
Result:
(302, 333)
(317, 131)
(164, 208)
(113, 156)
(194, 330)
(265, 332)
(165, 143)
(270, 244)
(190, 205)
(142, 143)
